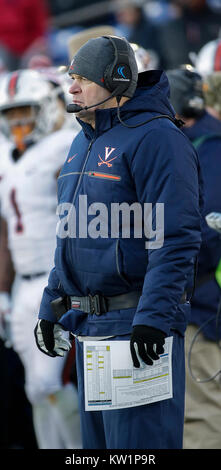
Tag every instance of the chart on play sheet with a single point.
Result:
(111, 381)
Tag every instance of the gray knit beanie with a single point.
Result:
(93, 58)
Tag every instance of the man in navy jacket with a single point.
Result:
(130, 150)
(202, 427)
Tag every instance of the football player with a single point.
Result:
(29, 165)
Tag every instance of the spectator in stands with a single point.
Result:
(23, 29)
(133, 23)
(194, 25)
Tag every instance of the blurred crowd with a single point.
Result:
(37, 35)
(174, 30)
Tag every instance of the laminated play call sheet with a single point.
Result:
(111, 381)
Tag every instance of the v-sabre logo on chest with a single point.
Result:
(108, 157)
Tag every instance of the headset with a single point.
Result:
(193, 100)
(118, 77)
(186, 91)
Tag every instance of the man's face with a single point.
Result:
(21, 122)
(87, 93)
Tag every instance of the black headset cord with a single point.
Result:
(178, 122)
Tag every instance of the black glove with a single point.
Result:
(50, 338)
(146, 338)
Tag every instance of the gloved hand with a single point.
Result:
(50, 338)
(5, 318)
(149, 342)
(213, 219)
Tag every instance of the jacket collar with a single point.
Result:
(151, 96)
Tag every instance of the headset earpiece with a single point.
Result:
(118, 75)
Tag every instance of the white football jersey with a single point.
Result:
(28, 195)
(3, 139)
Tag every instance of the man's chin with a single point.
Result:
(86, 115)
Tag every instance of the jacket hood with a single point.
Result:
(206, 125)
(152, 94)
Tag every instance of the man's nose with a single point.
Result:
(75, 88)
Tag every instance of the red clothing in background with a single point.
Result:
(22, 22)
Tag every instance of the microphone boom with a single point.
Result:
(73, 108)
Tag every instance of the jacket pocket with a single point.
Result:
(104, 176)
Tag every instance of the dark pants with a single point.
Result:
(16, 430)
(153, 426)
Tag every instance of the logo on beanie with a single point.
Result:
(71, 68)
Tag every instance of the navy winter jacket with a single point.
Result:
(208, 294)
(153, 163)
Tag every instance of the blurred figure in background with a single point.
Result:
(60, 82)
(133, 23)
(23, 30)
(146, 60)
(193, 25)
(212, 94)
(77, 40)
(29, 167)
(16, 417)
(80, 12)
(202, 428)
(208, 60)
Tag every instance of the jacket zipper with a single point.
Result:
(82, 171)
(71, 173)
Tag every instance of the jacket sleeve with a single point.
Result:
(165, 170)
(51, 292)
